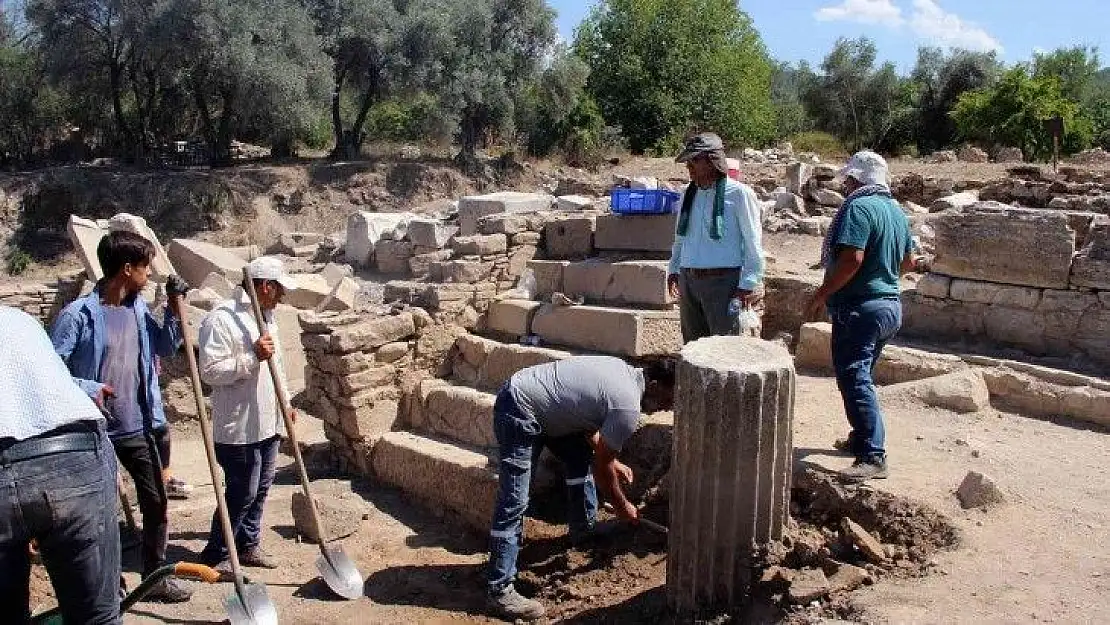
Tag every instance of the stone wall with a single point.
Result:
(42, 300)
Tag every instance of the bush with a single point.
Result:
(818, 142)
(18, 261)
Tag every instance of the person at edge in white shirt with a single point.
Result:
(246, 419)
(57, 482)
(717, 256)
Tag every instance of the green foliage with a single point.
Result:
(817, 142)
(1012, 113)
(664, 69)
(18, 261)
(939, 81)
(787, 85)
(31, 111)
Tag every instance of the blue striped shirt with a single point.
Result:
(741, 242)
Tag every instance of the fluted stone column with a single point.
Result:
(730, 467)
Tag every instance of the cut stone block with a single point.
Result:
(480, 244)
(956, 201)
(441, 475)
(220, 284)
(511, 316)
(993, 242)
(194, 260)
(392, 256)
(991, 293)
(549, 276)
(896, 365)
(313, 288)
(571, 203)
(160, 266)
(369, 334)
(934, 285)
(296, 243)
(632, 283)
(293, 356)
(421, 264)
(430, 233)
(365, 230)
(732, 454)
(474, 207)
(648, 233)
(617, 331)
(1092, 264)
(505, 360)
(570, 239)
(85, 234)
(463, 271)
(460, 414)
(961, 391)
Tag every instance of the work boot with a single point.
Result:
(177, 488)
(599, 530)
(865, 469)
(168, 590)
(256, 558)
(511, 605)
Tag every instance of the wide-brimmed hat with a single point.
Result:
(704, 143)
(868, 168)
(270, 268)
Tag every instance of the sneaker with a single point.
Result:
(256, 558)
(863, 470)
(177, 488)
(168, 591)
(512, 605)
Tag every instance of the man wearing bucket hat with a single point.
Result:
(716, 267)
(247, 425)
(867, 249)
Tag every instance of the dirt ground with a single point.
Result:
(1040, 557)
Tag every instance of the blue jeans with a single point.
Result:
(520, 440)
(67, 502)
(248, 475)
(859, 333)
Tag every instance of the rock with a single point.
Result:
(340, 518)
(643, 182)
(956, 201)
(960, 391)
(365, 230)
(994, 242)
(847, 578)
(194, 260)
(871, 548)
(1092, 264)
(475, 207)
(314, 288)
(574, 203)
(787, 202)
(430, 233)
(294, 243)
(1009, 155)
(813, 226)
(85, 235)
(808, 585)
(972, 154)
(934, 285)
(161, 266)
(912, 208)
(797, 176)
(825, 172)
(942, 156)
(978, 491)
(827, 197)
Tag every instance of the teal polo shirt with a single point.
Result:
(876, 225)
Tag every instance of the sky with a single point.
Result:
(796, 30)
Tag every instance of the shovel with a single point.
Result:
(337, 569)
(249, 605)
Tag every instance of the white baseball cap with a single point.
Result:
(271, 268)
(868, 168)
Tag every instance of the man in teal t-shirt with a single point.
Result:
(867, 249)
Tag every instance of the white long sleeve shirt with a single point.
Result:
(244, 404)
(741, 242)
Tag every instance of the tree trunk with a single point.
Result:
(340, 151)
(115, 80)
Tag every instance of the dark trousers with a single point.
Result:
(704, 304)
(248, 475)
(859, 333)
(139, 456)
(67, 502)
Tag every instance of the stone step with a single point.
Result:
(487, 364)
(457, 413)
(623, 332)
(640, 283)
(441, 475)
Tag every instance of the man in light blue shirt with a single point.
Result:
(717, 257)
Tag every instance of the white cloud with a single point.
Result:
(862, 11)
(937, 26)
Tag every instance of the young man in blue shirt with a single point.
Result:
(109, 340)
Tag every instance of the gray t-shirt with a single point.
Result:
(582, 395)
(120, 370)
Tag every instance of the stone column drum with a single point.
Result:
(730, 467)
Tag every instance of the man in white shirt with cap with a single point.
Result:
(246, 420)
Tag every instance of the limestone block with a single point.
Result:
(220, 284)
(194, 260)
(992, 293)
(421, 264)
(85, 235)
(549, 276)
(972, 154)
(932, 318)
(340, 518)
(1009, 155)
(369, 334)
(814, 351)
(474, 207)
(961, 391)
(732, 454)
(430, 233)
(571, 203)
(313, 288)
(934, 285)
(365, 230)
(570, 238)
(826, 197)
(647, 233)
(504, 223)
(527, 238)
(465, 271)
(293, 356)
(461, 414)
(617, 331)
(956, 201)
(511, 316)
(441, 475)
(786, 297)
(160, 266)
(994, 242)
(480, 244)
(506, 359)
(296, 243)
(1092, 264)
(634, 283)
(896, 365)
(797, 177)
(391, 256)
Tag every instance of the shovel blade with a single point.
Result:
(339, 572)
(253, 607)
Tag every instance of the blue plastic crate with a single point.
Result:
(644, 201)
